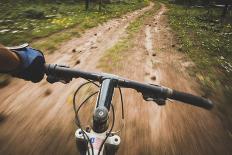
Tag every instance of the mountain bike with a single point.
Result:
(99, 139)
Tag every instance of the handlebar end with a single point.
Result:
(209, 104)
(193, 100)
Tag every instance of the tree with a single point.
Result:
(225, 10)
(87, 2)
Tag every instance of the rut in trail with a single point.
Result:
(176, 128)
(38, 118)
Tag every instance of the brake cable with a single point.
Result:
(122, 105)
(110, 131)
(122, 102)
(113, 121)
(77, 120)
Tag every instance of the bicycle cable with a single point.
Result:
(77, 120)
(122, 105)
(110, 131)
(121, 97)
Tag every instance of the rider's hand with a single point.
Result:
(32, 64)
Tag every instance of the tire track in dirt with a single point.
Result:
(182, 129)
(175, 128)
(38, 119)
(150, 30)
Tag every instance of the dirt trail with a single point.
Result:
(174, 128)
(183, 129)
(38, 118)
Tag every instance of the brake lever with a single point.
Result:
(159, 101)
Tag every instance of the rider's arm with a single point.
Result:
(9, 61)
(22, 62)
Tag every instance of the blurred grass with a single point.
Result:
(23, 22)
(47, 25)
(208, 42)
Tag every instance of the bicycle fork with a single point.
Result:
(109, 148)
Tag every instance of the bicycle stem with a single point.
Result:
(100, 117)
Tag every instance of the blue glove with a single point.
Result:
(32, 64)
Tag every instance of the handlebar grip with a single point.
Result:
(191, 99)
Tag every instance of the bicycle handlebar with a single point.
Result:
(148, 91)
(191, 99)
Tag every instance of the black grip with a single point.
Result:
(191, 99)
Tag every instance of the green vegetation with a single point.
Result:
(113, 57)
(46, 25)
(24, 22)
(208, 42)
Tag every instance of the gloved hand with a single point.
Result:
(32, 64)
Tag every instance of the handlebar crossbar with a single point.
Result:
(154, 92)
